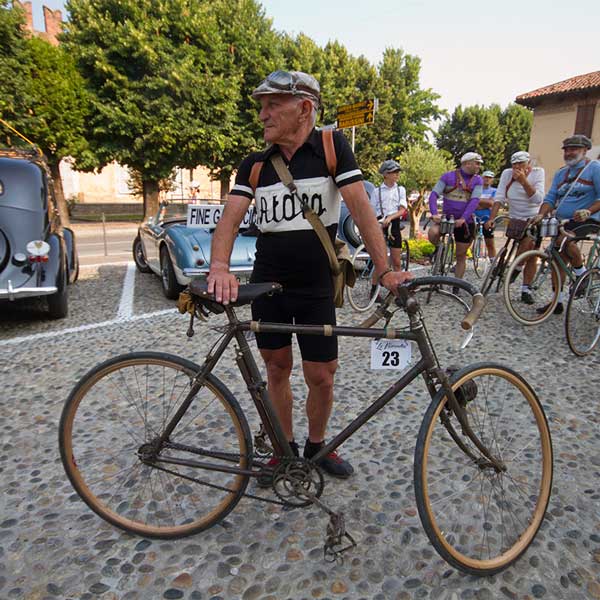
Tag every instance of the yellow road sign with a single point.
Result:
(365, 105)
(355, 118)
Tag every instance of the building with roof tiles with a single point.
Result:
(560, 110)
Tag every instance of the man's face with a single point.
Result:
(391, 178)
(520, 166)
(487, 181)
(471, 167)
(280, 115)
(573, 154)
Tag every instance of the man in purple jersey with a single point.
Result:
(461, 191)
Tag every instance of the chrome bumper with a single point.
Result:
(25, 292)
(197, 272)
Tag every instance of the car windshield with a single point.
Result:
(173, 210)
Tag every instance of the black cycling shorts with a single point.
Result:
(394, 237)
(582, 229)
(464, 234)
(488, 234)
(287, 308)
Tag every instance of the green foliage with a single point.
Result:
(474, 128)
(421, 166)
(516, 122)
(420, 248)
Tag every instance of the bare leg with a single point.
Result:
(433, 234)
(491, 248)
(396, 258)
(279, 368)
(461, 259)
(319, 379)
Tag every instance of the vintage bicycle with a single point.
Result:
(582, 320)
(160, 447)
(479, 253)
(361, 297)
(546, 285)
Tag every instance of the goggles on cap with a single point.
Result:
(471, 156)
(519, 157)
(296, 83)
(487, 174)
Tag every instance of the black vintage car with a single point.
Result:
(38, 256)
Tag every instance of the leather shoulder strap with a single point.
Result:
(329, 148)
(255, 174)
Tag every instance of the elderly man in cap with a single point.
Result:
(390, 205)
(522, 187)
(461, 192)
(289, 252)
(484, 209)
(574, 195)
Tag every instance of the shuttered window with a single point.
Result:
(585, 119)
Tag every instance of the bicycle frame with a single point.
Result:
(427, 366)
(554, 254)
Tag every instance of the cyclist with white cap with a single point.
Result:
(522, 187)
(461, 192)
(288, 250)
(390, 205)
(484, 209)
(574, 195)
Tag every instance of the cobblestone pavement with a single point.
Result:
(53, 546)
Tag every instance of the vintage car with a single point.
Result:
(167, 246)
(347, 229)
(38, 256)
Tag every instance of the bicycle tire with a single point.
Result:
(467, 528)
(477, 255)
(114, 415)
(491, 273)
(448, 258)
(582, 320)
(545, 288)
(405, 255)
(360, 297)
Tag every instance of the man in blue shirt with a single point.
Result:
(574, 195)
(484, 209)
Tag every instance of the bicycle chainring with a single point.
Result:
(296, 481)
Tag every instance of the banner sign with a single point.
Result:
(207, 216)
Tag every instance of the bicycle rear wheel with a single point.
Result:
(108, 436)
(545, 288)
(448, 257)
(582, 322)
(477, 255)
(493, 271)
(360, 296)
(405, 255)
(479, 519)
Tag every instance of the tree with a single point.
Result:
(49, 104)
(421, 166)
(516, 122)
(163, 93)
(474, 128)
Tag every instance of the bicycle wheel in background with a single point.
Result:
(360, 296)
(545, 288)
(108, 437)
(405, 255)
(479, 519)
(582, 322)
(448, 257)
(478, 255)
(493, 271)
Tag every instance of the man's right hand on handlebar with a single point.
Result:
(436, 218)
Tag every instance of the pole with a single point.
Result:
(104, 234)
(353, 138)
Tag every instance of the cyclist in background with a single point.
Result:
(461, 191)
(522, 187)
(484, 209)
(575, 195)
(390, 205)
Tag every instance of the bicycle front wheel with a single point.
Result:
(405, 255)
(448, 257)
(480, 518)
(545, 288)
(582, 323)
(477, 255)
(110, 448)
(360, 296)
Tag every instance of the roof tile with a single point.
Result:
(579, 83)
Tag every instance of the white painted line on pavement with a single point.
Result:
(70, 330)
(126, 304)
(119, 263)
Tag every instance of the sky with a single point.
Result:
(471, 53)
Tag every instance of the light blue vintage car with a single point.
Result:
(168, 247)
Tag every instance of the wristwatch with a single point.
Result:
(380, 278)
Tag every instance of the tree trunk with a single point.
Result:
(150, 197)
(224, 178)
(59, 195)
(416, 210)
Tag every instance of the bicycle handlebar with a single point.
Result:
(412, 285)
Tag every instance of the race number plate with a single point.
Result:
(390, 354)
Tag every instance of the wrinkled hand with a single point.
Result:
(535, 220)
(393, 279)
(224, 285)
(488, 225)
(581, 215)
(519, 175)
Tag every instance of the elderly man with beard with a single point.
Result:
(574, 195)
(289, 252)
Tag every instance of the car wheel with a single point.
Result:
(171, 288)
(58, 303)
(138, 256)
